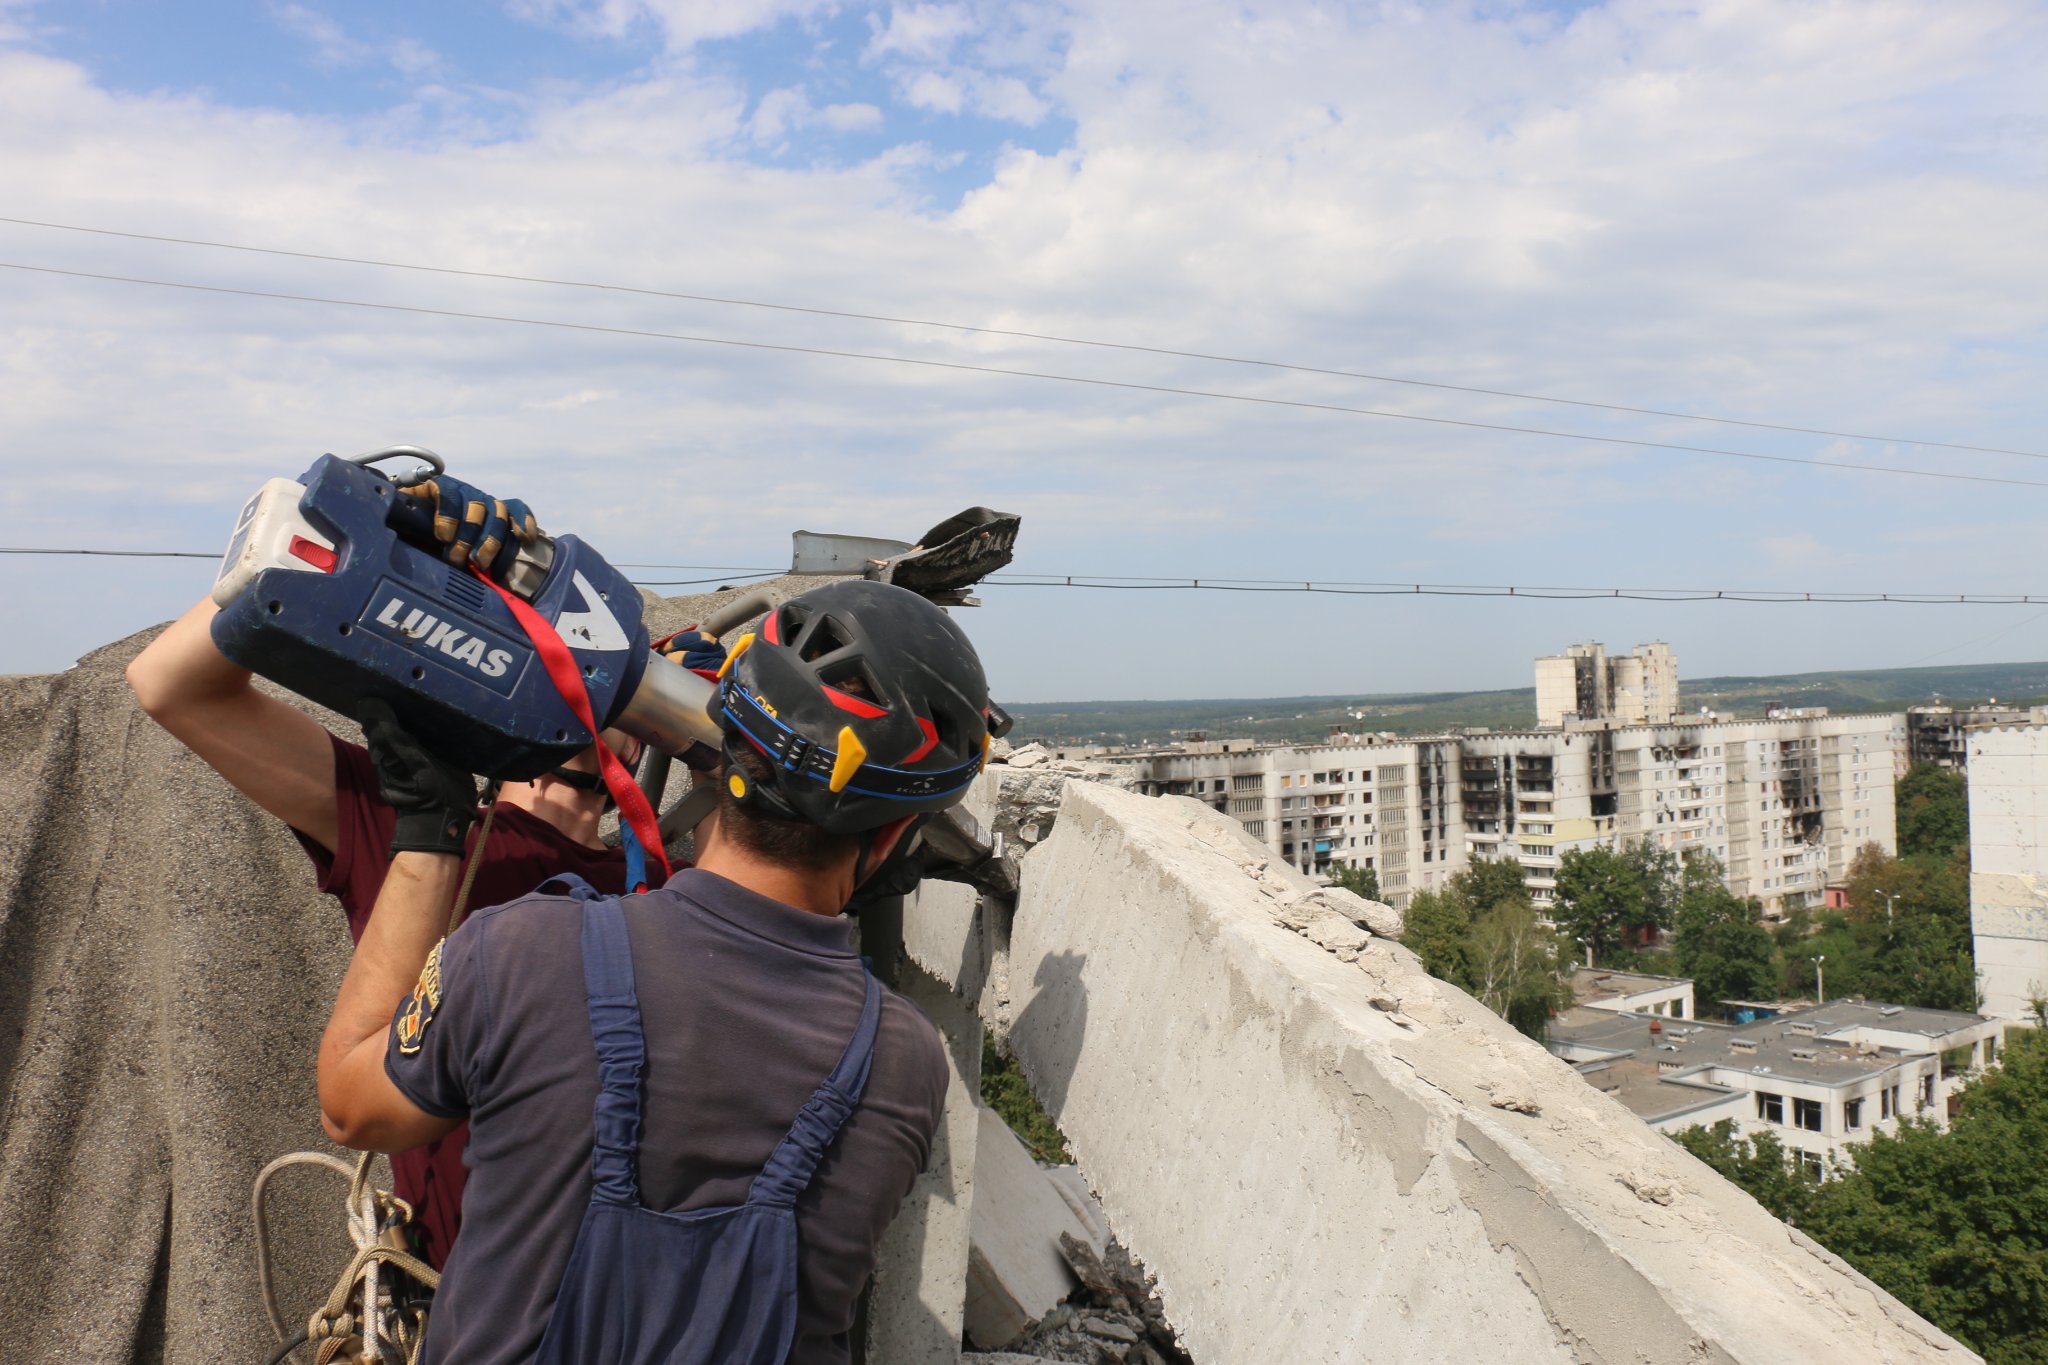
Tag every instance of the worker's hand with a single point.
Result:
(696, 651)
(475, 527)
(435, 801)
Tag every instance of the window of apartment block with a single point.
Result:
(1990, 1051)
(1887, 1103)
(1927, 1091)
(1852, 1114)
(1810, 1165)
(1770, 1108)
(1806, 1114)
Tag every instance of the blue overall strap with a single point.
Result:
(621, 1051)
(797, 1156)
(567, 884)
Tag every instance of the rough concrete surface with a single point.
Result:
(165, 970)
(1325, 1159)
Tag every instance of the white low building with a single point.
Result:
(1818, 1078)
(1633, 993)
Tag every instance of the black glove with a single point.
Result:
(435, 801)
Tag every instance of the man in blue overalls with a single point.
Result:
(692, 1112)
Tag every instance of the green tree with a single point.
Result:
(1721, 943)
(1955, 1223)
(1487, 883)
(1363, 881)
(1760, 1165)
(1933, 811)
(1906, 936)
(1599, 894)
(1437, 926)
(1662, 880)
(1519, 969)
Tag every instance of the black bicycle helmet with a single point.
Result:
(868, 702)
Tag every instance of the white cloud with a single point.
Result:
(925, 33)
(1827, 215)
(851, 118)
(334, 48)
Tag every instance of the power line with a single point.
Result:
(1555, 594)
(1018, 334)
(1006, 372)
(1334, 586)
(111, 554)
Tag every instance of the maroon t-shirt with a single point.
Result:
(524, 851)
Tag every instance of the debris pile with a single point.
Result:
(1114, 1318)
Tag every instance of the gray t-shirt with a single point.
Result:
(746, 1004)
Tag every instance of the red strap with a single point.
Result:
(568, 680)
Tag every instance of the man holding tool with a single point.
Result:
(693, 1111)
(327, 791)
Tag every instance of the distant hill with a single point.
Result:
(1295, 719)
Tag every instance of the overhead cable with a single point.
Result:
(1018, 334)
(1339, 587)
(1007, 372)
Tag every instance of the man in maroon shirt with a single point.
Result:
(325, 789)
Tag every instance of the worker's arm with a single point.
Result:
(435, 803)
(396, 964)
(277, 756)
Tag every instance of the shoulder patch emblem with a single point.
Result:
(419, 1009)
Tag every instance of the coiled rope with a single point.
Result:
(368, 1307)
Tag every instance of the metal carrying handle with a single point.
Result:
(421, 453)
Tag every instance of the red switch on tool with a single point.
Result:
(314, 553)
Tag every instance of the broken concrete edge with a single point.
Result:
(1467, 1189)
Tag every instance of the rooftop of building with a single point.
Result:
(1589, 983)
(1650, 1093)
(1838, 1016)
(1796, 1046)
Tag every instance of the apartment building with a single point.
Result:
(1784, 803)
(1359, 801)
(1584, 683)
(1940, 734)
(1818, 1078)
(2008, 778)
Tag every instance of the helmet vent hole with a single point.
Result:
(851, 678)
(824, 637)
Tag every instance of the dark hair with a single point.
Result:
(789, 843)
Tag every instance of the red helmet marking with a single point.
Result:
(931, 740)
(846, 701)
(771, 629)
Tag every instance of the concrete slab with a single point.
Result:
(1015, 1273)
(1324, 1161)
(917, 1310)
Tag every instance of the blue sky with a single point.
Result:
(1812, 213)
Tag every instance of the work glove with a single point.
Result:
(694, 650)
(473, 526)
(435, 801)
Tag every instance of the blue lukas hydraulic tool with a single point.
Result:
(333, 587)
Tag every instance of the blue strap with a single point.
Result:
(636, 857)
(567, 884)
(621, 1051)
(797, 1156)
